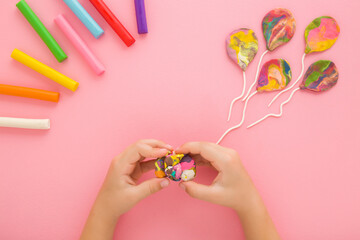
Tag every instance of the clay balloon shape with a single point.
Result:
(278, 27)
(242, 46)
(176, 167)
(275, 75)
(320, 76)
(321, 34)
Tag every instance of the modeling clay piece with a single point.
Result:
(176, 167)
(321, 76)
(275, 75)
(278, 28)
(85, 18)
(320, 35)
(112, 20)
(80, 45)
(241, 47)
(25, 123)
(41, 30)
(29, 93)
(141, 16)
(44, 70)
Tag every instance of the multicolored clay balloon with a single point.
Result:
(320, 35)
(176, 167)
(321, 76)
(278, 28)
(275, 75)
(241, 47)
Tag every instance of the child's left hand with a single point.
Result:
(120, 192)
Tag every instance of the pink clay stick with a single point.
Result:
(79, 44)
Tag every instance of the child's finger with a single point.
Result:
(200, 161)
(151, 186)
(215, 154)
(157, 144)
(198, 191)
(140, 151)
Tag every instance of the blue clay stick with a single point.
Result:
(85, 18)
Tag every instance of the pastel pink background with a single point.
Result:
(175, 84)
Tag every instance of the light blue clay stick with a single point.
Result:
(85, 18)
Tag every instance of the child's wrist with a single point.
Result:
(104, 209)
(252, 201)
(254, 207)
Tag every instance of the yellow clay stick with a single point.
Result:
(44, 70)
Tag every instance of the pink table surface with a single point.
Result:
(175, 84)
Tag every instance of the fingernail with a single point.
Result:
(182, 186)
(164, 183)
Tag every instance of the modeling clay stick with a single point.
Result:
(141, 16)
(85, 18)
(79, 44)
(24, 123)
(41, 30)
(44, 70)
(113, 22)
(29, 93)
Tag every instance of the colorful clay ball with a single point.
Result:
(176, 167)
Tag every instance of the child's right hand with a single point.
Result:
(231, 188)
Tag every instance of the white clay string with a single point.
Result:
(256, 76)
(244, 86)
(297, 80)
(236, 99)
(242, 120)
(273, 114)
(24, 123)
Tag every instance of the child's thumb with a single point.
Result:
(152, 186)
(198, 191)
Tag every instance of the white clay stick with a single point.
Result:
(242, 120)
(24, 123)
(273, 114)
(236, 99)
(297, 80)
(256, 76)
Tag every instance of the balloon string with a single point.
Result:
(256, 76)
(244, 86)
(242, 120)
(297, 80)
(236, 99)
(273, 114)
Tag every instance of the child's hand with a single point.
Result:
(120, 192)
(232, 188)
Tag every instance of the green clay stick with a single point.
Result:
(41, 30)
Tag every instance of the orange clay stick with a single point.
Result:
(29, 93)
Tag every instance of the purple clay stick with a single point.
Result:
(141, 16)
